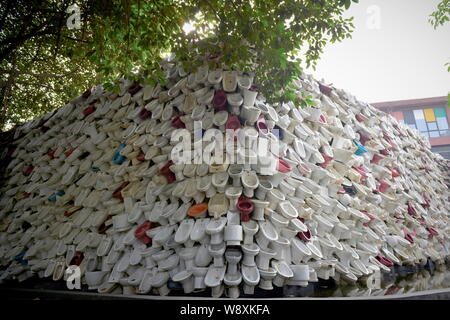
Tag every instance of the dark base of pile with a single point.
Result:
(48, 289)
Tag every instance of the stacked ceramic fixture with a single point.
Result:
(349, 193)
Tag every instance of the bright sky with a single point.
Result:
(403, 59)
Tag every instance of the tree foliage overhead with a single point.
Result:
(440, 17)
(43, 63)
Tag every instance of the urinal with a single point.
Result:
(59, 269)
(120, 222)
(199, 278)
(204, 184)
(367, 247)
(124, 262)
(184, 231)
(220, 118)
(264, 257)
(50, 269)
(215, 230)
(250, 252)
(229, 81)
(136, 255)
(159, 281)
(251, 277)
(266, 277)
(359, 265)
(390, 255)
(278, 221)
(297, 225)
(95, 279)
(146, 282)
(262, 190)
(405, 256)
(258, 212)
(299, 148)
(315, 251)
(303, 192)
(326, 247)
(282, 248)
(107, 287)
(147, 255)
(250, 228)
(274, 197)
(339, 229)
(286, 188)
(189, 170)
(198, 232)
(136, 277)
(300, 275)
(217, 251)
(337, 245)
(287, 210)
(266, 234)
(90, 261)
(169, 263)
(163, 235)
(201, 76)
(202, 257)
(220, 100)
(219, 181)
(70, 253)
(218, 205)
(233, 194)
(187, 256)
(250, 182)
(180, 214)
(248, 158)
(214, 276)
(187, 280)
(299, 251)
(61, 248)
(198, 210)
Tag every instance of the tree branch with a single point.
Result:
(5, 14)
(75, 39)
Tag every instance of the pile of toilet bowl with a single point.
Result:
(343, 190)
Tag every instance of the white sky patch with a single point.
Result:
(402, 59)
(188, 27)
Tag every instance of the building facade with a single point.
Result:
(429, 116)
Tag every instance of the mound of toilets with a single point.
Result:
(342, 190)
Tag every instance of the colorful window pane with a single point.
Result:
(442, 123)
(434, 134)
(409, 117)
(398, 115)
(431, 123)
(418, 114)
(432, 126)
(440, 113)
(429, 115)
(421, 125)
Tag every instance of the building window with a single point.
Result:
(431, 123)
